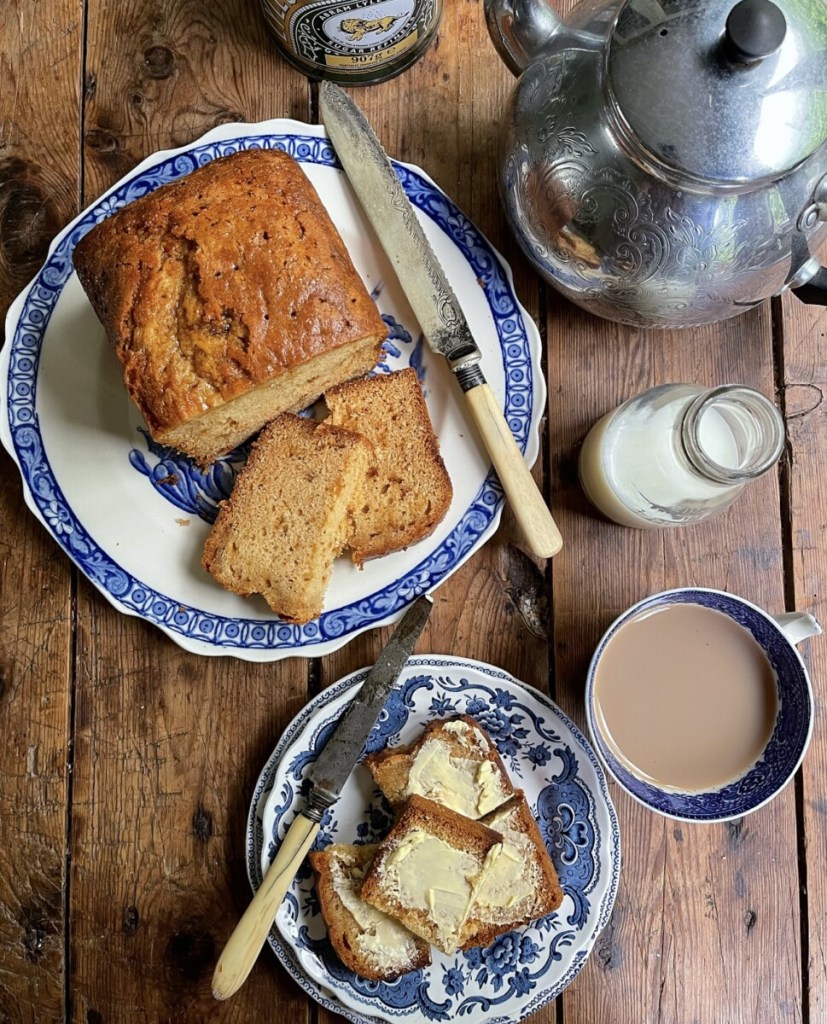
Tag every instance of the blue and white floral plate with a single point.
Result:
(545, 755)
(134, 516)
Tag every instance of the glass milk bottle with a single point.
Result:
(679, 453)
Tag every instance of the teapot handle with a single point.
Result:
(814, 291)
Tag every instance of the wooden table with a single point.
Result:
(126, 765)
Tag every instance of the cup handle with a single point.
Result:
(797, 626)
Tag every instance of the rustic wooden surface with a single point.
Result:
(127, 764)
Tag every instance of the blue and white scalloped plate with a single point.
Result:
(134, 516)
(546, 756)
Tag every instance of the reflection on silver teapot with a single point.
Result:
(663, 161)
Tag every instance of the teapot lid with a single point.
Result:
(722, 91)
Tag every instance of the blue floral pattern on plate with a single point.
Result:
(518, 972)
(195, 627)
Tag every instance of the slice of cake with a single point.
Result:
(367, 941)
(522, 884)
(427, 871)
(229, 297)
(408, 490)
(453, 763)
(289, 515)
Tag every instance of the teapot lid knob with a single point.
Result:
(754, 30)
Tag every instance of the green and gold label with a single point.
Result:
(358, 36)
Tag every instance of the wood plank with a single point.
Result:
(706, 923)
(444, 115)
(169, 745)
(39, 117)
(805, 384)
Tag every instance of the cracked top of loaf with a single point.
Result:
(221, 281)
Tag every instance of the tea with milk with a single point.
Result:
(686, 697)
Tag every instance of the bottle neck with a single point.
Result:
(732, 434)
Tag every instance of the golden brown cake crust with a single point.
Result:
(218, 282)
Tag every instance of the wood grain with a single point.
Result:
(714, 902)
(39, 111)
(169, 745)
(805, 385)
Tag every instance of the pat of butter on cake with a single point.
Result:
(453, 763)
(522, 885)
(428, 870)
(369, 942)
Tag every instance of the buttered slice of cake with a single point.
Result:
(365, 939)
(453, 763)
(521, 885)
(426, 873)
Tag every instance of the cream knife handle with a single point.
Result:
(524, 496)
(244, 945)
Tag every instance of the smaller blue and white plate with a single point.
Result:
(134, 515)
(545, 755)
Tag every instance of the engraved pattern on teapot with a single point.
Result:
(649, 177)
(619, 239)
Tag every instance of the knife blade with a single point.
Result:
(434, 303)
(327, 777)
(342, 750)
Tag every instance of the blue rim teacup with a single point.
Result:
(791, 735)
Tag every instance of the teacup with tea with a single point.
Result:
(699, 703)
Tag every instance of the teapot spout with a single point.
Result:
(521, 29)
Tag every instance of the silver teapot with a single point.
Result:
(663, 161)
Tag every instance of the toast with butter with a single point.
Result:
(522, 884)
(453, 763)
(428, 870)
(366, 940)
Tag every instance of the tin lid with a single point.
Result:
(722, 91)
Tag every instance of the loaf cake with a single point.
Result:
(289, 515)
(408, 489)
(453, 763)
(428, 869)
(229, 298)
(522, 884)
(367, 941)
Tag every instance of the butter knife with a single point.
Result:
(326, 778)
(434, 303)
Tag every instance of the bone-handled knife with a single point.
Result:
(326, 779)
(434, 303)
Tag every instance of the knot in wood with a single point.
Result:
(27, 219)
(190, 955)
(102, 141)
(202, 825)
(159, 62)
(130, 920)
